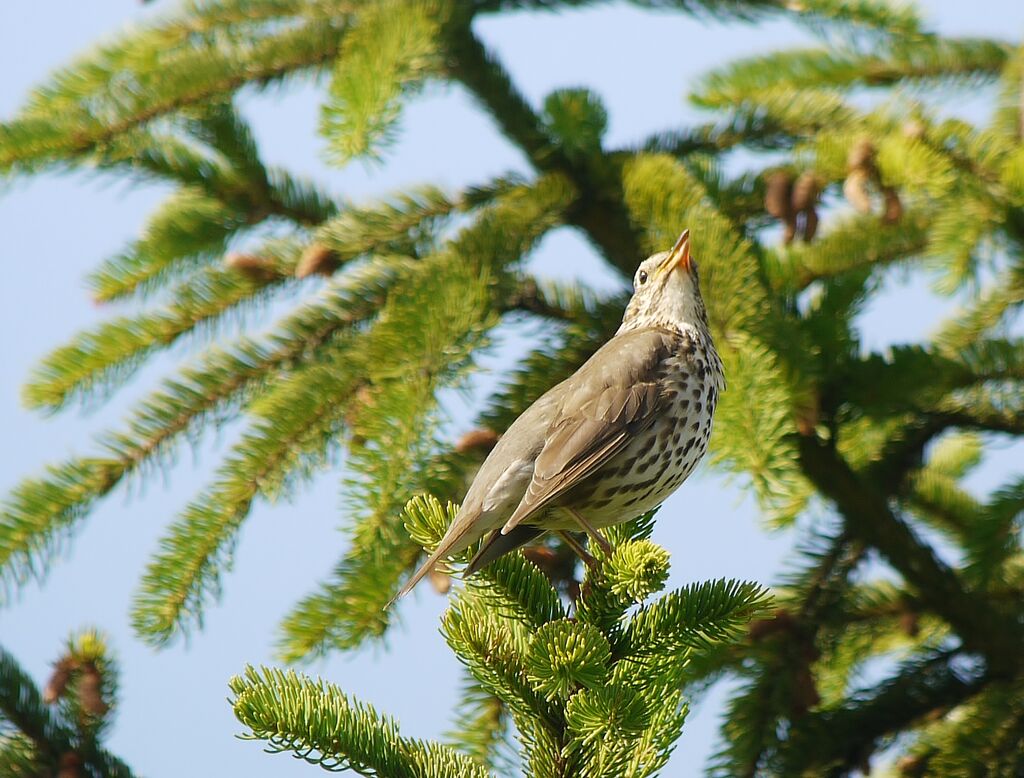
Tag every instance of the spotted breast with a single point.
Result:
(657, 460)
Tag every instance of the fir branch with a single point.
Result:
(492, 647)
(746, 10)
(608, 736)
(1008, 117)
(521, 589)
(943, 503)
(19, 758)
(425, 336)
(44, 736)
(749, 725)
(716, 137)
(817, 605)
(798, 111)
(992, 307)
(21, 705)
(846, 736)
(693, 617)
(171, 73)
(481, 728)
(294, 428)
(879, 16)
(985, 730)
(874, 15)
(598, 209)
(40, 511)
(176, 150)
(851, 244)
(966, 61)
(190, 229)
(210, 16)
(510, 227)
(319, 723)
(868, 516)
(568, 303)
(935, 493)
(403, 224)
(98, 361)
(224, 191)
(392, 49)
(760, 443)
(349, 609)
(996, 536)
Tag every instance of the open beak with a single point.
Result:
(679, 256)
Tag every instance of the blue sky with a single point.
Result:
(174, 719)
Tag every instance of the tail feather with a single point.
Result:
(420, 573)
(498, 545)
(457, 538)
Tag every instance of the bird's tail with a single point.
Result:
(418, 576)
(498, 545)
(453, 541)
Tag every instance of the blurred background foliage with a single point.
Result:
(816, 170)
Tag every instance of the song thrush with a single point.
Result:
(613, 440)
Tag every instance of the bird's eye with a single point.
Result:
(642, 277)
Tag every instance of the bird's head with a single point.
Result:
(666, 292)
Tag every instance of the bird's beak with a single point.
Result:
(679, 256)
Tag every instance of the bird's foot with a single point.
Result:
(577, 547)
(591, 530)
(602, 541)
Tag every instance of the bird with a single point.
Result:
(610, 442)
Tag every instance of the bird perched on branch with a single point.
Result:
(610, 442)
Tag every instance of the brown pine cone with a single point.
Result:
(317, 259)
(252, 266)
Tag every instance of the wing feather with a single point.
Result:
(584, 441)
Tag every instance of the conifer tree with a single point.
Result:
(60, 731)
(851, 168)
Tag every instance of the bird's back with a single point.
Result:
(625, 360)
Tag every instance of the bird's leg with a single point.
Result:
(581, 552)
(591, 530)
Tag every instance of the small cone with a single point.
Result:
(760, 629)
(70, 765)
(855, 189)
(909, 623)
(805, 191)
(789, 233)
(251, 266)
(810, 224)
(558, 565)
(808, 414)
(442, 582)
(913, 130)
(481, 439)
(90, 691)
(777, 198)
(893, 207)
(317, 259)
(861, 156)
(58, 682)
(912, 766)
(805, 691)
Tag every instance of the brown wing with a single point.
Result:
(613, 401)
